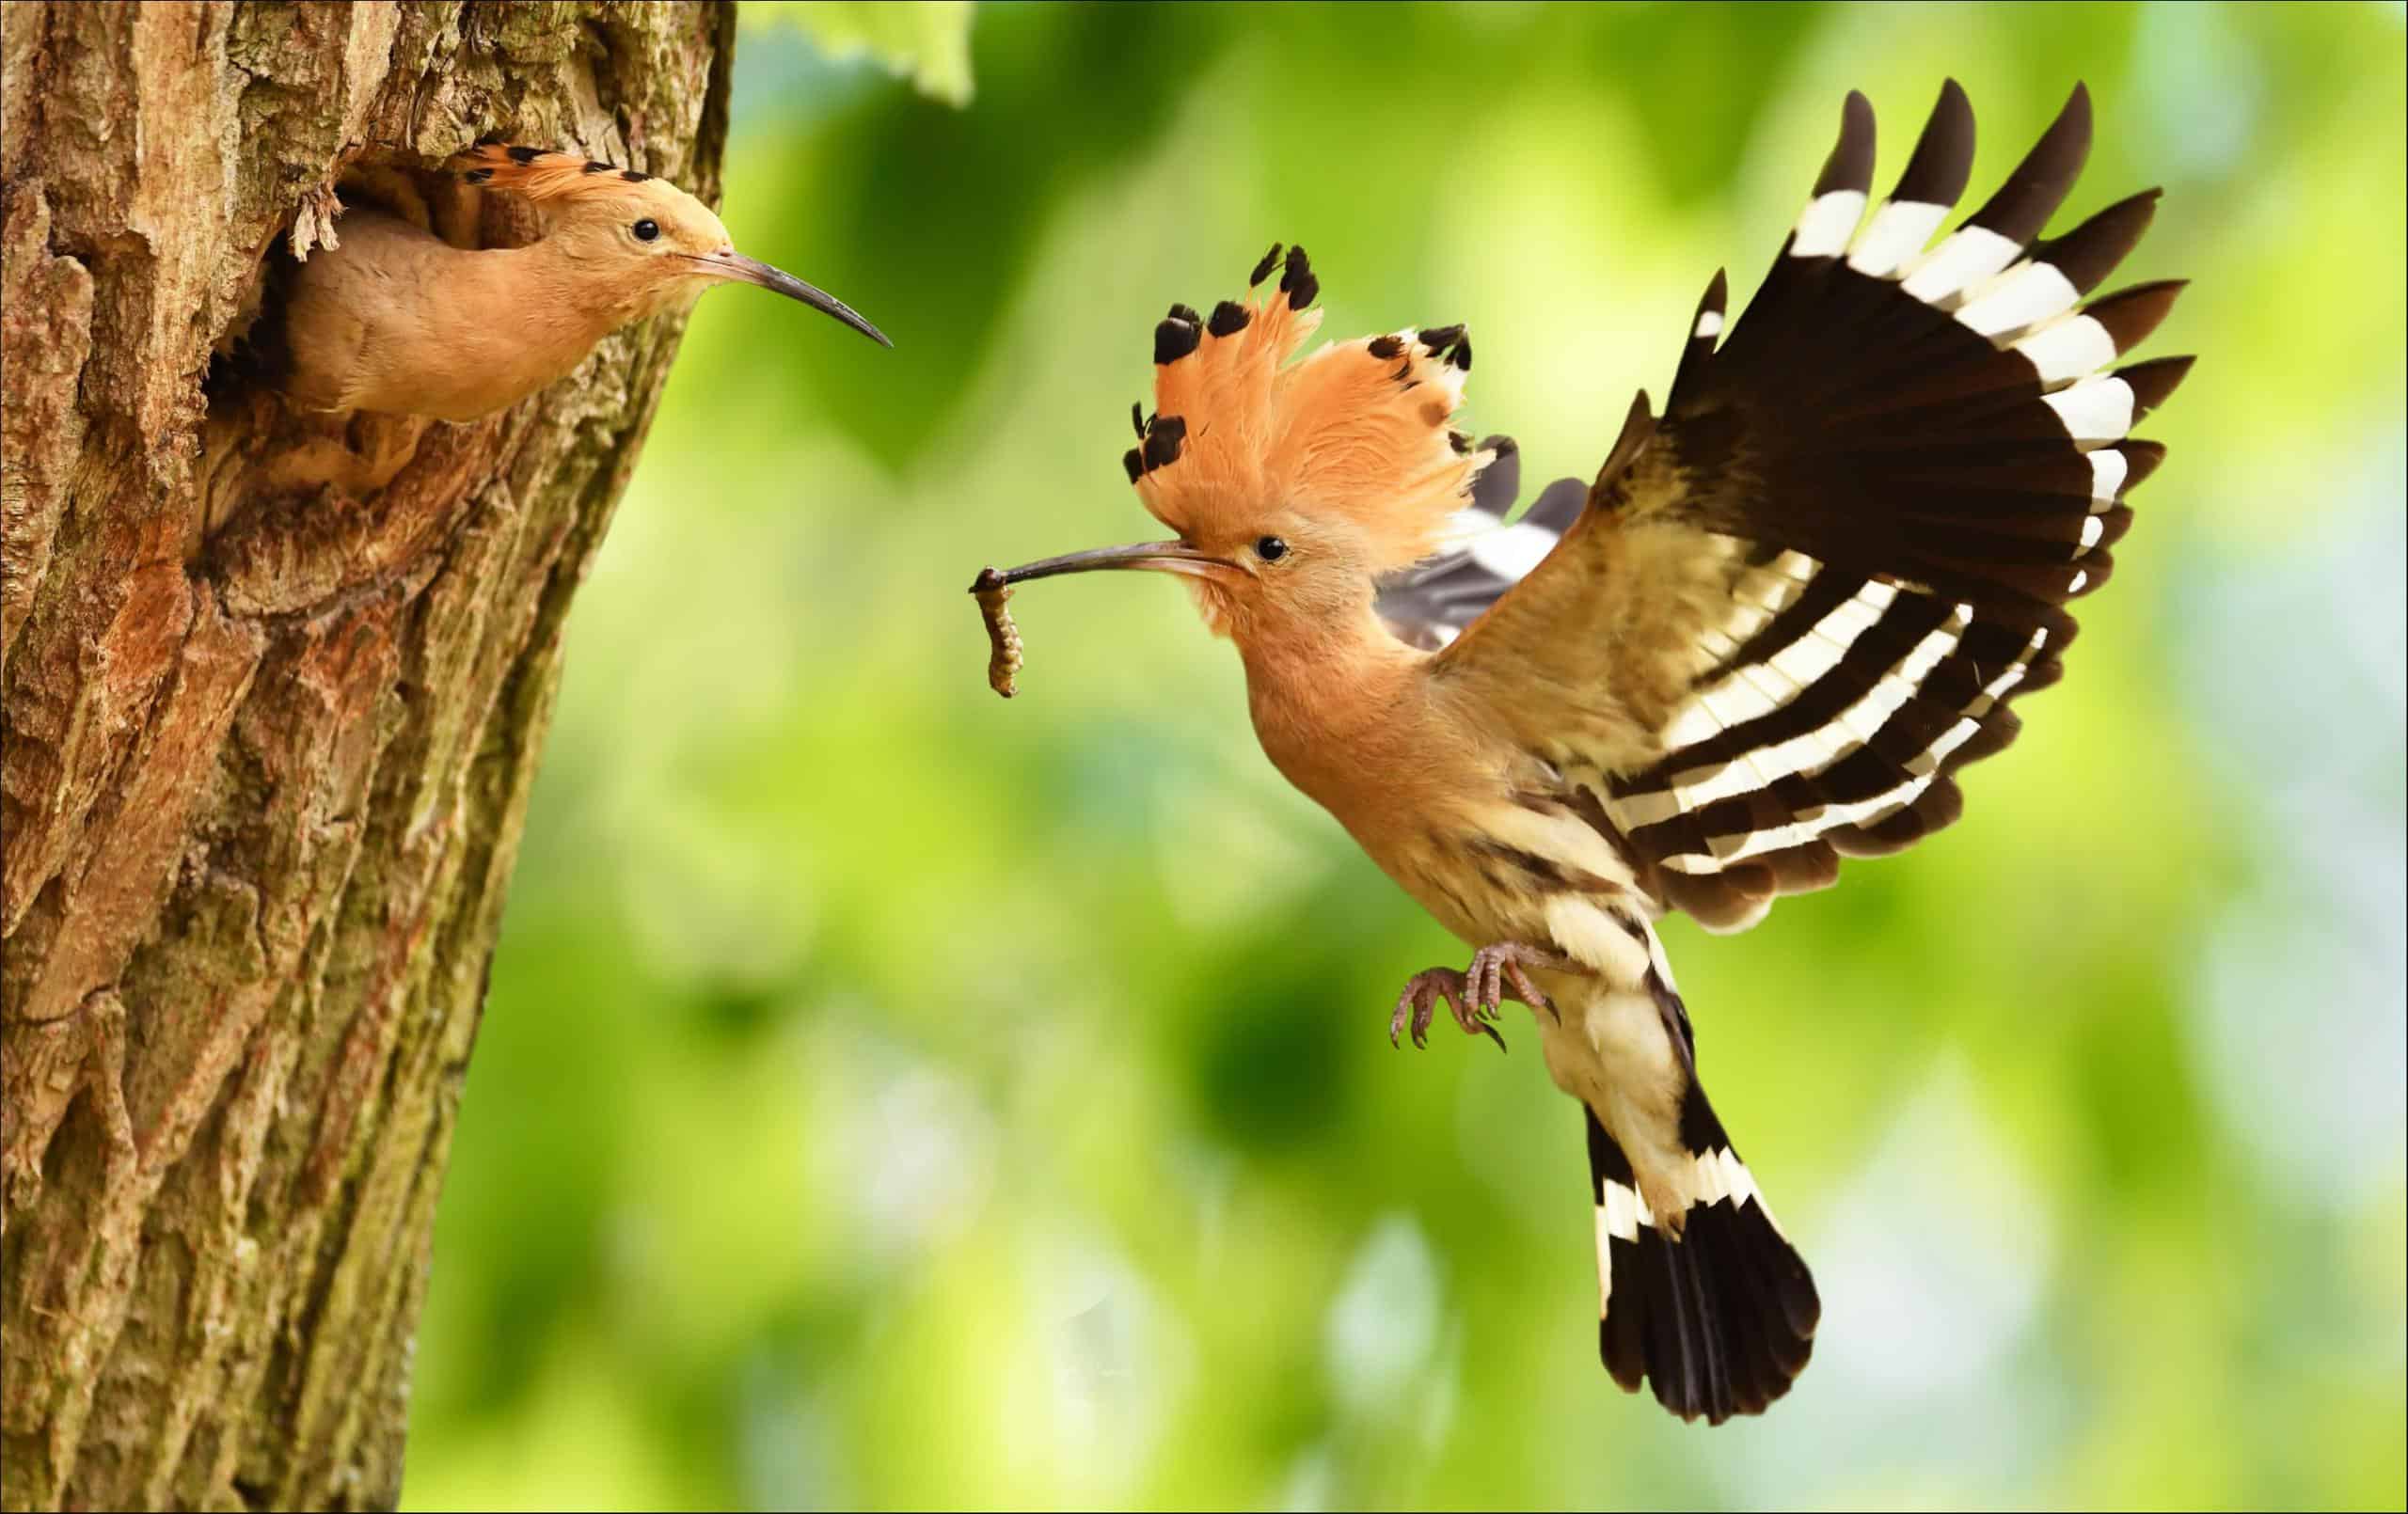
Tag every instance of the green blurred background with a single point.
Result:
(890, 1095)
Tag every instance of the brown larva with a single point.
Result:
(1003, 636)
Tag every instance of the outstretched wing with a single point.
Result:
(1791, 609)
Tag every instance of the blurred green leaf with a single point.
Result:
(928, 41)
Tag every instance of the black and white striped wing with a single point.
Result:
(1795, 605)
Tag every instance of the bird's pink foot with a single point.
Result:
(1476, 996)
(1500, 973)
(1419, 1005)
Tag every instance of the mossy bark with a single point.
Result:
(263, 764)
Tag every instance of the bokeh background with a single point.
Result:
(890, 1095)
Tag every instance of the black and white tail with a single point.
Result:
(1721, 1319)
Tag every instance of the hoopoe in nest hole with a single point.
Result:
(395, 320)
(1767, 636)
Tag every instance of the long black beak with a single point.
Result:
(1157, 557)
(733, 266)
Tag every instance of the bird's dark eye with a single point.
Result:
(646, 229)
(1271, 549)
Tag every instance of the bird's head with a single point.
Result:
(1292, 486)
(641, 244)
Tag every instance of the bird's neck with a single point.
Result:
(521, 318)
(1330, 696)
(572, 306)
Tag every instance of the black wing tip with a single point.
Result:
(2154, 286)
(1850, 165)
(2154, 382)
(2040, 182)
(2071, 126)
(2088, 253)
(1942, 163)
(1638, 425)
(2074, 118)
(2130, 316)
(1706, 330)
(2142, 457)
(2138, 202)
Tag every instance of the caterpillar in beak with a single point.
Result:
(1003, 636)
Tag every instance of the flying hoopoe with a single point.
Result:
(1766, 638)
(396, 320)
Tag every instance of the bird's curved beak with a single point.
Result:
(1154, 557)
(732, 265)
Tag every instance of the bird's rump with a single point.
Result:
(1788, 611)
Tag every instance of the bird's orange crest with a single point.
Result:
(542, 174)
(1357, 432)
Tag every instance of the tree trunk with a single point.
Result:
(269, 730)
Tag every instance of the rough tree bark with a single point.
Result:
(265, 739)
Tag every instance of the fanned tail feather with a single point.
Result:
(1721, 1320)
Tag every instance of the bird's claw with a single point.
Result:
(1476, 995)
(1496, 969)
(1419, 1005)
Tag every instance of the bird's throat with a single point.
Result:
(1329, 700)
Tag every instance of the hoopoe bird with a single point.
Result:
(395, 320)
(1767, 636)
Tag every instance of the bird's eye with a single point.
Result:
(646, 229)
(1271, 549)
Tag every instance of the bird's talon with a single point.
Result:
(1476, 995)
(1527, 990)
(1417, 1008)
